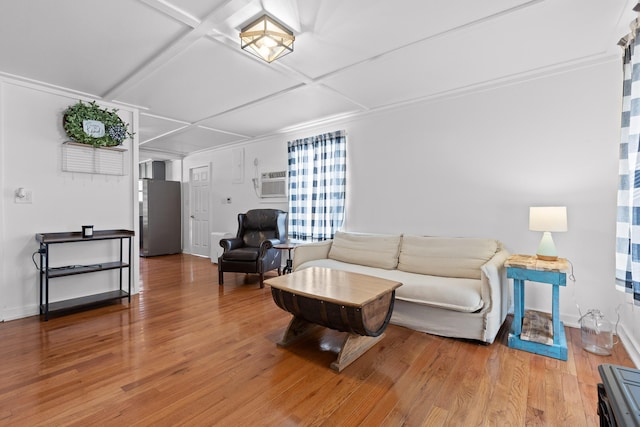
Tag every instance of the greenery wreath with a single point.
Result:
(111, 133)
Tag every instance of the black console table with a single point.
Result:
(47, 272)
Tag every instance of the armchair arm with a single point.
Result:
(267, 244)
(311, 251)
(232, 243)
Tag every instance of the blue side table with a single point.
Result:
(521, 268)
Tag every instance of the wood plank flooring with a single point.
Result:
(188, 352)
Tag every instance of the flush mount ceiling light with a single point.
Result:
(267, 39)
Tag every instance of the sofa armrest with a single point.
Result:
(494, 282)
(311, 251)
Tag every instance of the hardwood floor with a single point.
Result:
(188, 352)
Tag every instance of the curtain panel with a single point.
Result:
(317, 182)
(628, 214)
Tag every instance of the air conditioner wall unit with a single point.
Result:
(273, 184)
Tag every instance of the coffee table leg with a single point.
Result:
(352, 348)
(297, 328)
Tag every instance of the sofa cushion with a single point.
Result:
(373, 250)
(446, 256)
(450, 293)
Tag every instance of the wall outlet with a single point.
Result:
(27, 199)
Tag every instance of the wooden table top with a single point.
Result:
(531, 262)
(340, 287)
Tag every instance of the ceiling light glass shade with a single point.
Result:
(267, 39)
(547, 219)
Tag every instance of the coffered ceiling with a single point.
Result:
(180, 62)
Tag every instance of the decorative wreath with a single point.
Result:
(90, 124)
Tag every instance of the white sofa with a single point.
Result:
(454, 287)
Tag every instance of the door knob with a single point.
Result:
(192, 216)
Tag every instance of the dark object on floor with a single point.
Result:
(619, 396)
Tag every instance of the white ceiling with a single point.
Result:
(180, 62)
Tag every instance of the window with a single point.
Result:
(317, 181)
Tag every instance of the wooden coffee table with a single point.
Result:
(357, 304)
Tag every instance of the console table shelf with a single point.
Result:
(47, 272)
(86, 301)
(76, 236)
(81, 269)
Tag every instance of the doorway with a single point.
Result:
(199, 178)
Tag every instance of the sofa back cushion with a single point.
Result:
(446, 256)
(373, 250)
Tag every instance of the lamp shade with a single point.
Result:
(548, 218)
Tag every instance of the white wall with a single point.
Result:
(471, 165)
(271, 155)
(31, 157)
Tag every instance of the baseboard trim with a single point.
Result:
(20, 312)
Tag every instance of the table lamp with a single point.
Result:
(547, 219)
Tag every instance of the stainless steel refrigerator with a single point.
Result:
(160, 218)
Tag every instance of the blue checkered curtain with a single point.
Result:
(317, 181)
(628, 221)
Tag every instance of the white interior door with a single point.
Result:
(199, 210)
